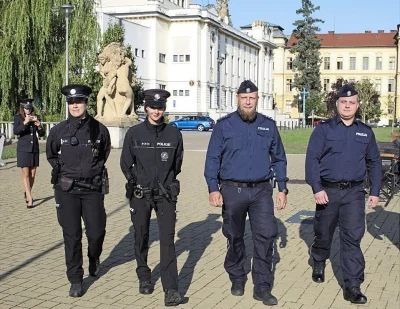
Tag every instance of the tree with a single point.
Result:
(32, 52)
(307, 61)
(368, 99)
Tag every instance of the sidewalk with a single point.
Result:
(32, 268)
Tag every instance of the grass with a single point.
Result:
(10, 151)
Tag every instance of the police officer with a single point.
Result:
(77, 149)
(244, 154)
(341, 151)
(151, 159)
(28, 127)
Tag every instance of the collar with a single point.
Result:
(155, 128)
(339, 120)
(78, 122)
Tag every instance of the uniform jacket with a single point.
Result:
(28, 139)
(84, 160)
(152, 153)
(245, 152)
(340, 153)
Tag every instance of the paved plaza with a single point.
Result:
(32, 267)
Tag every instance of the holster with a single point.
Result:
(130, 187)
(54, 174)
(66, 183)
(105, 185)
(174, 189)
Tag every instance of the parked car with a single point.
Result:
(199, 123)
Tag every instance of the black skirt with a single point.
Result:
(27, 159)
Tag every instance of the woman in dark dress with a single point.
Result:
(27, 125)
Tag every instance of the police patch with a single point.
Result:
(349, 93)
(164, 156)
(247, 90)
(72, 91)
(156, 97)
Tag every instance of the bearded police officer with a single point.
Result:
(341, 151)
(245, 152)
(151, 160)
(78, 149)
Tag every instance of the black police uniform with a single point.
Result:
(338, 159)
(28, 143)
(242, 159)
(79, 149)
(151, 159)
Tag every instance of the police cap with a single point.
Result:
(76, 92)
(156, 97)
(247, 86)
(347, 91)
(26, 103)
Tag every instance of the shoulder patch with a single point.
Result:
(364, 124)
(326, 120)
(223, 118)
(265, 117)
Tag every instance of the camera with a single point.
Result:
(32, 118)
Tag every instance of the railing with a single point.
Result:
(7, 128)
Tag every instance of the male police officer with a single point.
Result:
(151, 159)
(78, 149)
(244, 154)
(340, 153)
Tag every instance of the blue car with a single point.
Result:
(199, 123)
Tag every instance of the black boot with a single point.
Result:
(266, 297)
(318, 274)
(94, 267)
(76, 289)
(172, 298)
(237, 288)
(354, 295)
(145, 287)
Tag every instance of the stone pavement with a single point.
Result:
(32, 269)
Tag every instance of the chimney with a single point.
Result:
(381, 31)
(331, 32)
(367, 31)
(393, 31)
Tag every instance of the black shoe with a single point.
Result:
(354, 295)
(172, 298)
(266, 297)
(76, 290)
(237, 288)
(94, 267)
(318, 273)
(145, 287)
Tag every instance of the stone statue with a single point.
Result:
(223, 11)
(117, 87)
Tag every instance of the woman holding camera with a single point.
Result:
(27, 125)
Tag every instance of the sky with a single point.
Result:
(341, 16)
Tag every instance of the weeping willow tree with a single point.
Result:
(32, 52)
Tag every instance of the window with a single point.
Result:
(175, 58)
(142, 53)
(186, 93)
(288, 85)
(352, 63)
(187, 58)
(379, 63)
(175, 92)
(392, 63)
(161, 86)
(181, 58)
(181, 93)
(161, 58)
(289, 63)
(378, 85)
(339, 63)
(326, 84)
(238, 68)
(136, 52)
(211, 57)
(391, 85)
(288, 106)
(327, 63)
(365, 63)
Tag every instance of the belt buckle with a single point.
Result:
(344, 185)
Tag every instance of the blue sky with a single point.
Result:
(343, 16)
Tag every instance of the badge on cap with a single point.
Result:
(349, 93)
(248, 90)
(156, 97)
(72, 91)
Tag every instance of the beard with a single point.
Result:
(248, 116)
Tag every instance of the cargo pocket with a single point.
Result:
(264, 139)
(361, 143)
(334, 142)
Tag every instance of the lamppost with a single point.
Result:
(304, 93)
(67, 11)
(220, 61)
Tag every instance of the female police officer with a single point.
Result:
(78, 149)
(151, 159)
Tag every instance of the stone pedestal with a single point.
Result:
(117, 135)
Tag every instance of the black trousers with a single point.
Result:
(346, 208)
(258, 204)
(166, 218)
(71, 207)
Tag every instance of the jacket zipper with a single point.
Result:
(155, 160)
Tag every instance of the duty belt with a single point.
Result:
(245, 184)
(341, 185)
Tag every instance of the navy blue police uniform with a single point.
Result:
(77, 149)
(339, 157)
(28, 143)
(151, 160)
(243, 157)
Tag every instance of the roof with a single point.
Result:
(267, 23)
(367, 39)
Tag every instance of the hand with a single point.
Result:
(215, 199)
(281, 200)
(37, 123)
(27, 119)
(372, 201)
(321, 198)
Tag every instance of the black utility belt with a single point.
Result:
(141, 192)
(245, 184)
(341, 185)
(67, 184)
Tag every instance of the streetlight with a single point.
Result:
(304, 92)
(67, 11)
(220, 61)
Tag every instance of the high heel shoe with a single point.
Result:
(26, 201)
(29, 206)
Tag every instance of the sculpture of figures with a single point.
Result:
(223, 11)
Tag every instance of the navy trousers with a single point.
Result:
(258, 204)
(346, 208)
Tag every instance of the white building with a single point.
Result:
(190, 50)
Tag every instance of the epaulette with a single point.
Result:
(266, 117)
(362, 123)
(223, 118)
(326, 120)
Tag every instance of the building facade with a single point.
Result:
(351, 56)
